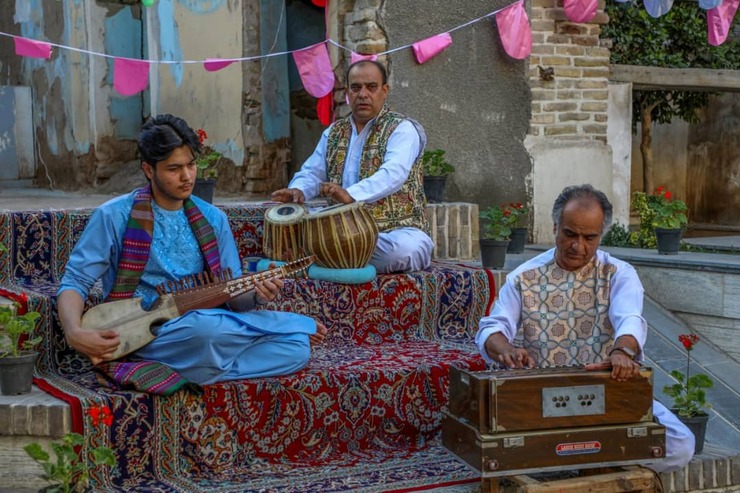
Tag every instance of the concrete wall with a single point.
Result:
(207, 100)
(619, 137)
(560, 163)
(714, 314)
(16, 133)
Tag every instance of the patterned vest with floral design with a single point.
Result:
(565, 315)
(403, 208)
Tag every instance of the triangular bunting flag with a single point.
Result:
(324, 108)
(215, 64)
(431, 47)
(656, 8)
(709, 4)
(314, 66)
(32, 48)
(580, 10)
(130, 76)
(515, 31)
(356, 57)
(719, 21)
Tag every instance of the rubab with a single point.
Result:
(133, 323)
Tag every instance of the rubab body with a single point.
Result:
(133, 323)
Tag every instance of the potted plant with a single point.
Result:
(436, 169)
(17, 357)
(662, 220)
(205, 179)
(519, 230)
(68, 472)
(495, 235)
(689, 395)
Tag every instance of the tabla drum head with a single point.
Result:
(286, 213)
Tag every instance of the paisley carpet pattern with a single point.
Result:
(364, 415)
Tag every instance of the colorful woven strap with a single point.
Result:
(137, 241)
(144, 376)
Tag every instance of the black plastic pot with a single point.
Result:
(434, 188)
(668, 240)
(493, 253)
(518, 240)
(203, 189)
(16, 373)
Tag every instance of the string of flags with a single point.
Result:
(131, 76)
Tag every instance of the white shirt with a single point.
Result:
(404, 146)
(625, 303)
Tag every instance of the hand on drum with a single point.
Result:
(286, 195)
(267, 290)
(336, 192)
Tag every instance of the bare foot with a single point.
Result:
(320, 334)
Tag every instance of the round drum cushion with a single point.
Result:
(343, 276)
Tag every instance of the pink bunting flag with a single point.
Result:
(580, 10)
(356, 57)
(431, 47)
(32, 48)
(216, 64)
(130, 76)
(515, 31)
(314, 66)
(719, 21)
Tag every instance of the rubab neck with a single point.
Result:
(207, 291)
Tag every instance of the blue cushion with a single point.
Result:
(343, 276)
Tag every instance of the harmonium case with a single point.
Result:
(506, 454)
(542, 398)
(505, 422)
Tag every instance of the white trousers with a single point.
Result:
(402, 250)
(679, 441)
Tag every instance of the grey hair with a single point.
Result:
(585, 191)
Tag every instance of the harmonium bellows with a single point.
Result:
(520, 421)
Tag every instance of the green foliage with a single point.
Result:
(677, 39)
(619, 236)
(68, 471)
(434, 163)
(498, 221)
(657, 210)
(206, 161)
(13, 327)
(689, 396)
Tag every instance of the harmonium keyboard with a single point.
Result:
(505, 422)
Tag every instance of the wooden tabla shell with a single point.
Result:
(283, 230)
(342, 236)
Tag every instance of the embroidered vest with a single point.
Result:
(403, 208)
(565, 315)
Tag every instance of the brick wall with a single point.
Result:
(569, 74)
(454, 228)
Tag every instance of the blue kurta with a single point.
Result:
(205, 346)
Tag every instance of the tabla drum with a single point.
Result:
(342, 236)
(283, 226)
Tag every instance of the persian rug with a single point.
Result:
(364, 415)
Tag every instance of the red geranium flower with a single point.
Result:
(202, 135)
(100, 414)
(688, 340)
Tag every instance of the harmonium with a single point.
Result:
(506, 422)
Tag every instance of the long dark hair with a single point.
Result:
(162, 134)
